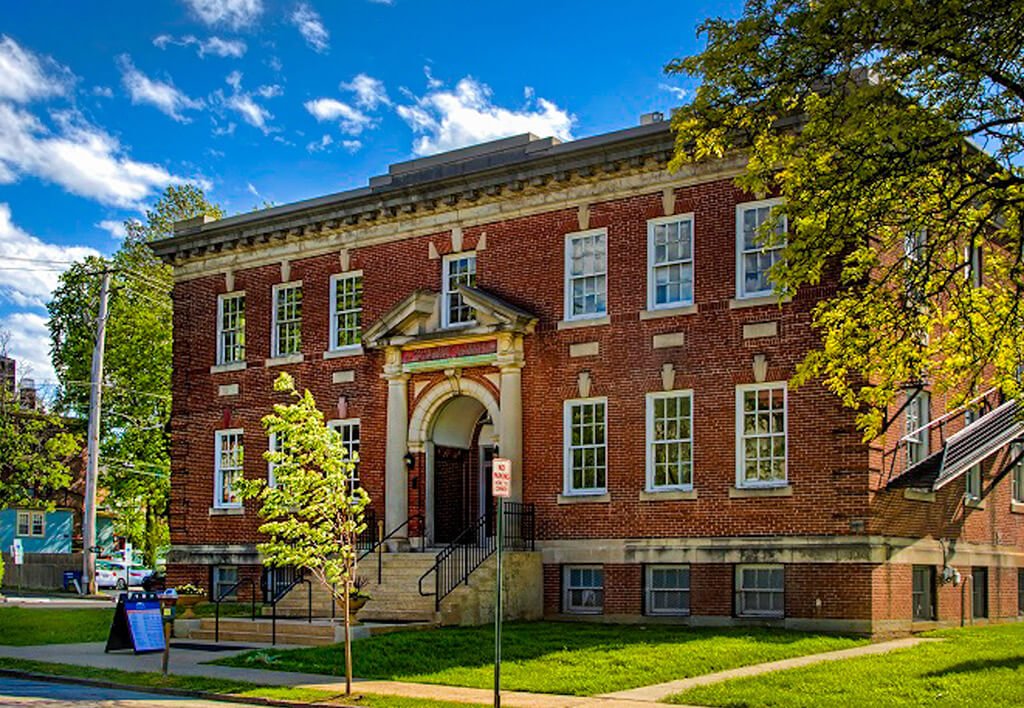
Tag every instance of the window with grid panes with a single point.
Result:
(287, 320)
(228, 467)
(760, 591)
(583, 589)
(346, 310)
(972, 483)
(459, 269)
(586, 448)
(231, 328)
(273, 445)
(349, 431)
(761, 423)
(586, 274)
(225, 579)
(917, 416)
(755, 257)
(1017, 453)
(670, 251)
(670, 440)
(668, 590)
(924, 592)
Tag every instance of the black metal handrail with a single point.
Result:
(378, 546)
(457, 561)
(225, 593)
(367, 540)
(278, 582)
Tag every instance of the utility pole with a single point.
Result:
(92, 467)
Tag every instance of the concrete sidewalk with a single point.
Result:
(190, 662)
(661, 691)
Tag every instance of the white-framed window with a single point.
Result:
(670, 261)
(586, 446)
(231, 328)
(273, 445)
(1018, 473)
(974, 257)
(457, 269)
(583, 589)
(761, 435)
(286, 330)
(229, 458)
(348, 428)
(923, 592)
(667, 590)
(669, 440)
(917, 415)
(32, 524)
(760, 591)
(346, 310)
(754, 260)
(224, 577)
(972, 483)
(586, 274)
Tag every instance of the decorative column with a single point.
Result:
(510, 428)
(396, 474)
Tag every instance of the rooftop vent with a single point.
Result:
(652, 117)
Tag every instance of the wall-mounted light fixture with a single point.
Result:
(410, 460)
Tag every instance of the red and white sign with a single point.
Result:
(501, 477)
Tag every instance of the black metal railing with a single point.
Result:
(382, 538)
(223, 594)
(367, 540)
(457, 561)
(278, 582)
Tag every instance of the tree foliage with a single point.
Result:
(881, 124)
(137, 364)
(314, 512)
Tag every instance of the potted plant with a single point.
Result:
(358, 596)
(188, 597)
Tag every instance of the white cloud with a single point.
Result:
(677, 92)
(320, 145)
(271, 91)
(466, 115)
(38, 264)
(215, 46)
(383, 2)
(352, 146)
(370, 92)
(80, 157)
(352, 120)
(29, 344)
(243, 103)
(311, 27)
(232, 13)
(164, 96)
(25, 76)
(116, 229)
(103, 91)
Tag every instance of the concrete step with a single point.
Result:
(392, 614)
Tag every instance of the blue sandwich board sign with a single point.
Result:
(138, 624)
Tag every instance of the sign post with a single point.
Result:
(501, 487)
(18, 551)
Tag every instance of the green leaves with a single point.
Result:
(36, 451)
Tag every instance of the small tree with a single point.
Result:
(313, 511)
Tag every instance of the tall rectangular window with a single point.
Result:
(346, 310)
(586, 451)
(667, 590)
(979, 592)
(917, 416)
(669, 440)
(287, 324)
(1020, 591)
(24, 523)
(231, 328)
(586, 274)
(761, 435)
(459, 269)
(755, 258)
(670, 262)
(349, 431)
(760, 591)
(972, 483)
(228, 464)
(1017, 453)
(274, 444)
(923, 592)
(38, 524)
(583, 589)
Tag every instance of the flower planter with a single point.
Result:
(187, 602)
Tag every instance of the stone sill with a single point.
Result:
(585, 322)
(1016, 507)
(738, 303)
(919, 495)
(227, 368)
(227, 511)
(974, 503)
(584, 498)
(668, 312)
(748, 492)
(283, 360)
(354, 350)
(668, 495)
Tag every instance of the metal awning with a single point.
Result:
(978, 440)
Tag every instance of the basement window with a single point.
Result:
(583, 589)
(668, 590)
(924, 592)
(979, 593)
(760, 591)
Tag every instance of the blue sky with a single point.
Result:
(104, 104)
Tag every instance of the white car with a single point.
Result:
(112, 573)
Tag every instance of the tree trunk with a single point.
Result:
(348, 636)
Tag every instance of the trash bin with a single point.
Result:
(70, 576)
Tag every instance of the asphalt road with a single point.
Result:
(41, 694)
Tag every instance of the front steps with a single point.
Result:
(289, 631)
(397, 598)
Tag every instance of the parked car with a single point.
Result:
(154, 582)
(112, 573)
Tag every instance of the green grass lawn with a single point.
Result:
(981, 666)
(550, 657)
(227, 609)
(24, 626)
(221, 687)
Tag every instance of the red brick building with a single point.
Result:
(608, 326)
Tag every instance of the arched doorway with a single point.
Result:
(460, 447)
